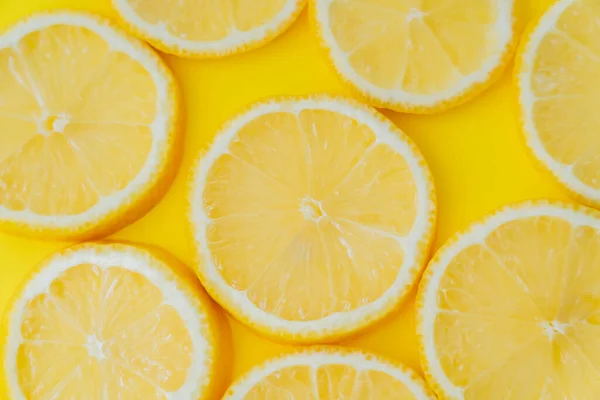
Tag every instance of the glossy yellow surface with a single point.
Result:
(474, 151)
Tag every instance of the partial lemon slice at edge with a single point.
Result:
(330, 373)
(401, 56)
(556, 72)
(113, 320)
(506, 308)
(208, 28)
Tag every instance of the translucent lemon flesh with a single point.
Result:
(207, 20)
(75, 119)
(417, 46)
(102, 334)
(307, 213)
(566, 90)
(328, 382)
(519, 314)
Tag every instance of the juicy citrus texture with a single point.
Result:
(415, 52)
(558, 78)
(307, 214)
(77, 113)
(100, 330)
(301, 243)
(329, 374)
(510, 309)
(208, 27)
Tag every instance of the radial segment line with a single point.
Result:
(261, 172)
(524, 287)
(500, 365)
(380, 232)
(583, 355)
(129, 368)
(577, 43)
(33, 87)
(355, 166)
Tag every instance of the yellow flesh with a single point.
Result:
(306, 212)
(328, 382)
(101, 334)
(75, 120)
(519, 314)
(565, 84)
(418, 46)
(207, 20)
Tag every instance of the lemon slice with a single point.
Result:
(89, 123)
(558, 77)
(208, 28)
(510, 309)
(112, 322)
(329, 373)
(311, 217)
(416, 56)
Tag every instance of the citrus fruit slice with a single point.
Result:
(208, 28)
(111, 321)
(416, 56)
(509, 309)
(89, 123)
(328, 373)
(311, 217)
(557, 74)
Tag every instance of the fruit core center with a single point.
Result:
(311, 209)
(414, 14)
(54, 124)
(95, 347)
(553, 328)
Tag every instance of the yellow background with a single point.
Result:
(474, 153)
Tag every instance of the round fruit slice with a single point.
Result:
(208, 28)
(558, 74)
(510, 309)
(329, 373)
(111, 321)
(311, 217)
(89, 123)
(416, 56)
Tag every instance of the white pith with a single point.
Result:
(412, 244)
(477, 234)
(316, 359)
(563, 172)
(234, 40)
(503, 27)
(160, 127)
(141, 262)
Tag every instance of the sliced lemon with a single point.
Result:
(510, 309)
(558, 73)
(89, 123)
(416, 56)
(311, 217)
(208, 28)
(329, 373)
(112, 321)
